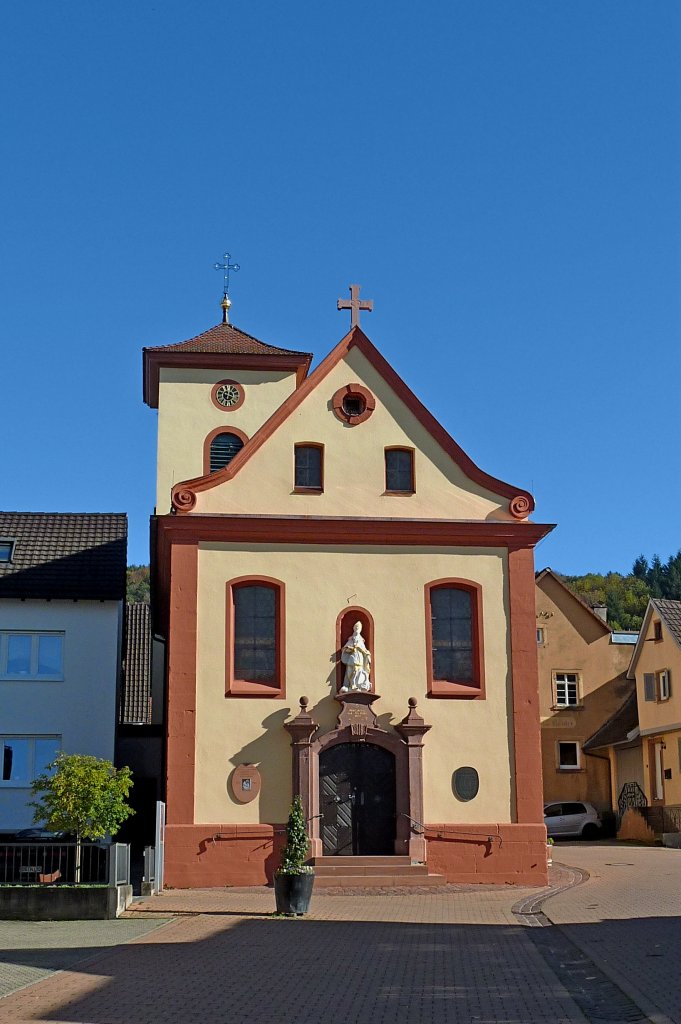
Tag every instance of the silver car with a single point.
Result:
(572, 818)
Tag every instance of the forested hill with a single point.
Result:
(626, 597)
(138, 583)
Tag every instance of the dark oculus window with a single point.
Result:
(452, 635)
(255, 633)
(308, 467)
(399, 469)
(223, 448)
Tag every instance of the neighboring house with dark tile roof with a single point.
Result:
(62, 593)
(582, 684)
(656, 669)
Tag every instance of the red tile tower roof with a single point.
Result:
(221, 347)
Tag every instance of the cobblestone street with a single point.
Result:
(604, 949)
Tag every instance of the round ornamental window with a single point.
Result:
(353, 404)
(466, 783)
(227, 394)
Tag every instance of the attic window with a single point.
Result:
(6, 550)
(353, 404)
(657, 629)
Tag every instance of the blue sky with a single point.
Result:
(501, 178)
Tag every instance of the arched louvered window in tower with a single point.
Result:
(223, 448)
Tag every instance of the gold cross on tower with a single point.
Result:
(354, 305)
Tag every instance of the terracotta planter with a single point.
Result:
(293, 893)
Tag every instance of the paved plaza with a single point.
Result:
(605, 949)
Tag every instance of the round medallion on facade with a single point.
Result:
(353, 404)
(466, 783)
(227, 394)
(246, 783)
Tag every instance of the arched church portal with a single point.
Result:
(357, 800)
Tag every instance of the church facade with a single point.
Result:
(347, 603)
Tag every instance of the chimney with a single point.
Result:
(601, 610)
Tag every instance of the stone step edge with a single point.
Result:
(377, 881)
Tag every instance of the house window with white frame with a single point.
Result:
(541, 636)
(6, 550)
(32, 656)
(24, 758)
(566, 689)
(568, 756)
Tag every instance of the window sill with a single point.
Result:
(567, 707)
(31, 679)
(307, 490)
(248, 688)
(441, 688)
(570, 771)
(399, 494)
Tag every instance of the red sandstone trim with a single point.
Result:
(181, 726)
(227, 408)
(248, 687)
(355, 612)
(209, 440)
(357, 339)
(525, 683)
(153, 360)
(350, 530)
(353, 391)
(249, 854)
(444, 687)
(215, 855)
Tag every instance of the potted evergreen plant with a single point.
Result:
(293, 879)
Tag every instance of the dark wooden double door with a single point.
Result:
(357, 798)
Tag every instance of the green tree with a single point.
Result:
(138, 583)
(640, 568)
(656, 577)
(297, 846)
(82, 794)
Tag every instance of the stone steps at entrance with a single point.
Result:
(371, 873)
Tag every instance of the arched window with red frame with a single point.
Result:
(255, 637)
(454, 639)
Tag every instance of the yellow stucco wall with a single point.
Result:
(575, 642)
(186, 415)
(660, 720)
(354, 471)
(321, 581)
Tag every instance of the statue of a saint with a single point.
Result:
(356, 657)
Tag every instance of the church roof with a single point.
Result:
(228, 340)
(67, 555)
(357, 339)
(221, 347)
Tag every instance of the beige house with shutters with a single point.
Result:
(582, 685)
(656, 669)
